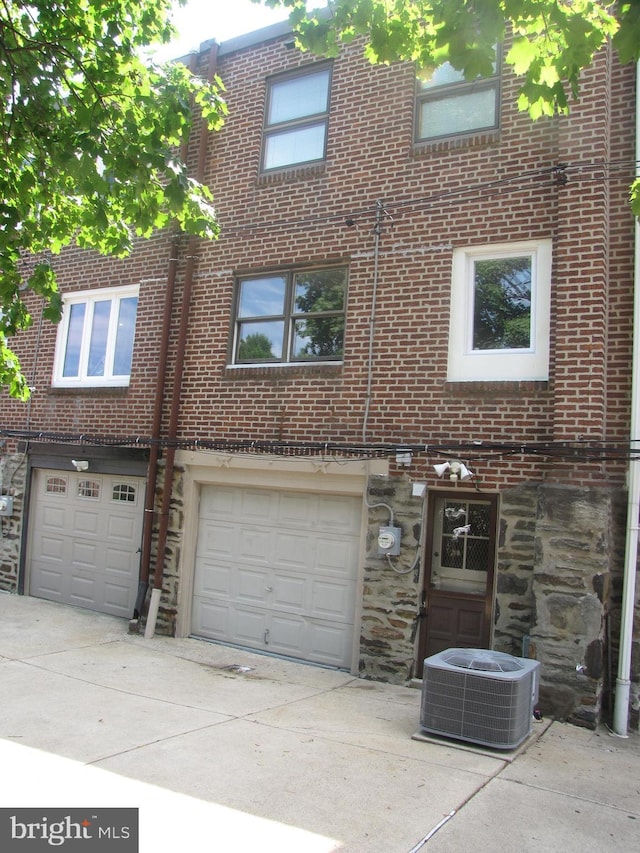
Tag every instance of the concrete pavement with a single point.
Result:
(227, 751)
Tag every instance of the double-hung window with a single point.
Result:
(449, 105)
(500, 307)
(95, 338)
(290, 317)
(297, 117)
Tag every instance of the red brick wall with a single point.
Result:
(439, 197)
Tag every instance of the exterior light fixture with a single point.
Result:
(457, 470)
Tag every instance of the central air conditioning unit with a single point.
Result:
(480, 696)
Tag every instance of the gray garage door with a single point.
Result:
(84, 539)
(276, 571)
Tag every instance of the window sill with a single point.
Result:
(478, 139)
(496, 387)
(290, 174)
(90, 390)
(244, 372)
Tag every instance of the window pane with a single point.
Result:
(262, 297)
(300, 145)
(74, 340)
(502, 304)
(319, 291)
(99, 333)
(443, 75)
(124, 336)
(458, 113)
(321, 337)
(258, 341)
(299, 97)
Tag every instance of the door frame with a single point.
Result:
(433, 497)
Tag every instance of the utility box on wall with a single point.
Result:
(6, 505)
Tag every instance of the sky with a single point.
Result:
(201, 20)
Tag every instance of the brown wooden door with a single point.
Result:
(459, 570)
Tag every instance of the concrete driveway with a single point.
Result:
(229, 751)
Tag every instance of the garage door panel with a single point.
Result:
(286, 634)
(214, 580)
(52, 517)
(328, 643)
(290, 592)
(89, 532)
(218, 503)
(338, 514)
(83, 590)
(213, 617)
(117, 562)
(294, 550)
(251, 584)
(84, 553)
(254, 545)
(249, 626)
(256, 506)
(285, 581)
(121, 527)
(336, 556)
(116, 595)
(331, 601)
(86, 523)
(51, 582)
(217, 539)
(296, 510)
(51, 547)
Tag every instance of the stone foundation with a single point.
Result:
(12, 483)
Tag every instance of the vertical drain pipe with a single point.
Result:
(176, 395)
(158, 400)
(623, 681)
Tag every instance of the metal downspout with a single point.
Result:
(158, 401)
(623, 681)
(176, 394)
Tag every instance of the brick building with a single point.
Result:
(268, 431)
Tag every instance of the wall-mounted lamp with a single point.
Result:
(457, 470)
(80, 464)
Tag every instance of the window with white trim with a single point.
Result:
(500, 306)
(95, 338)
(449, 105)
(296, 119)
(290, 317)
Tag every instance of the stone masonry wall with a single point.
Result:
(571, 588)
(515, 568)
(168, 609)
(12, 482)
(391, 584)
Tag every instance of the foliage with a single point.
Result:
(255, 347)
(553, 41)
(89, 142)
(320, 300)
(502, 304)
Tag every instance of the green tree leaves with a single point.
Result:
(89, 142)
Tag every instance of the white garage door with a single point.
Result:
(277, 571)
(85, 532)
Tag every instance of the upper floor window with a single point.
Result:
(95, 338)
(448, 105)
(500, 303)
(297, 117)
(290, 317)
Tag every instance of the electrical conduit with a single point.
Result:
(623, 680)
